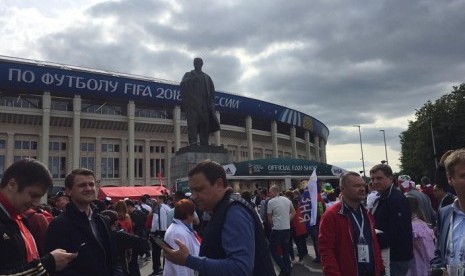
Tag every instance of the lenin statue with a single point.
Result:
(198, 101)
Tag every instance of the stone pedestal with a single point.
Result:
(185, 158)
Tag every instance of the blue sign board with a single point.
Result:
(27, 76)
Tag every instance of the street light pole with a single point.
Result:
(385, 147)
(361, 148)
(434, 144)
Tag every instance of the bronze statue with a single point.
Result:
(198, 101)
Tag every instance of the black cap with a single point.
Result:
(60, 193)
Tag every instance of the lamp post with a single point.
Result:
(385, 147)
(361, 148)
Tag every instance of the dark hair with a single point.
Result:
(246, 196)
(211, 170)
(111, 215)
(183, 208)
(130, 203)
(69, 180)
(415, 206)
(387, 171)
(425, 180)
(178, 195)
(27, 172)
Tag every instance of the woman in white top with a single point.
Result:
(181, 229)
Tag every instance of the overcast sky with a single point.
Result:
(368, 63)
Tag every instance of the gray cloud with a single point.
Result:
(343, 62)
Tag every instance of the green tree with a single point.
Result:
(446, 116)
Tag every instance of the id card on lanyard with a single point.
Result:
(454, 266)
(363, 251)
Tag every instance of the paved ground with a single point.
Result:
(309, 268)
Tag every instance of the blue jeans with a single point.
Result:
(281, 237)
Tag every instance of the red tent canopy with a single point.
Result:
(117, 193)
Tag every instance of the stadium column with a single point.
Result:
(293, 142)
(10, 146)
(218, 133)
(177, 127)
(323, 150)
(147, 161)
(46, 103)
(98, 159)
(124, 162)
(316, 141)
(248, 130)
(76, 130)
(274, 138)
(307, 145)
(131, 132)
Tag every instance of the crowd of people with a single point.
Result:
(389, 226)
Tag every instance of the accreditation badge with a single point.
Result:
(363, 253)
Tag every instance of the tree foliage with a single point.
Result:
(446, 116)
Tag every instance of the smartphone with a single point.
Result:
(80, 247)
(161, 242)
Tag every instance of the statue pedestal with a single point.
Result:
(185, 158)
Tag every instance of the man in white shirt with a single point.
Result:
(159, 226)
(280, 212)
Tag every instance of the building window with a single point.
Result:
(157, 166)
(110, 167)
(25, 144)
(138, 167)
(88, 163)
(57, 166)
(87, 147)
(138, 148)
(244, 153)
(257, 155)
(62, 105)
(2, 144)
(157, 149)
(110, 148)
(57, 146)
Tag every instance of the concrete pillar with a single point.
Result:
(316, 141)
(177, 127)
(124, 162)
(323, 151)
(274, 138)
(46, 103)
(147, 161)
(308, 152)
(167, 172)
(131, 136)
(248, 131)
(98, 158)
(293, 142)
(10, 146)
(76, 131)
(218, 133)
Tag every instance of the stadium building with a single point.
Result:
(126, 128)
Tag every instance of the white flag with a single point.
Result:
(312, 189)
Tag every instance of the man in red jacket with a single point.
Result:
(347, 239)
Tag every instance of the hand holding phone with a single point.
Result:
(161, 242)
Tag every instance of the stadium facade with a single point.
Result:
(126, 128)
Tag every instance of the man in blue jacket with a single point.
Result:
(393, 221)
(449, 252)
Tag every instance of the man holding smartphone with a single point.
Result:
(234, 242)
(81, 229)
(22, 186)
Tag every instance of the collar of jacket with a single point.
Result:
(345, 210)
(73, 211)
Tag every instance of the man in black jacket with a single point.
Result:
(393, 222)
(81, 229)
(22, 186)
